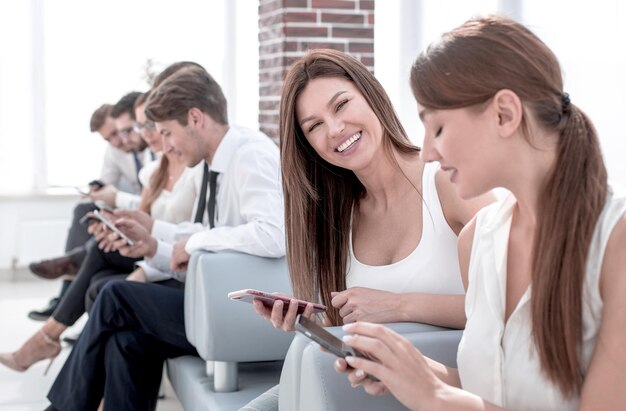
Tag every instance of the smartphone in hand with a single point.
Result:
(318, 334)
(95, 185)
(88, 219)
(249, 295)
(112, 226)
(311, 330)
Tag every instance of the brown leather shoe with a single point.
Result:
(54, 267)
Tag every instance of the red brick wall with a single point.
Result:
(288, 28)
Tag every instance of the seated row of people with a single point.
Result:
(369, 223)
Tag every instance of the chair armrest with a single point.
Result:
(309, 381)
(226, 330)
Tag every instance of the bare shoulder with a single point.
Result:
(609, 358)
(613, 277)
(458, 212)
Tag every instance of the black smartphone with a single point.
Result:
(318, 334)
(96, 184)
(333, 344)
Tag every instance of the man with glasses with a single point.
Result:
(123, 114)
(121, 185)
(239, 208)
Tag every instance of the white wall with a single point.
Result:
(55, 70)
(33, 227)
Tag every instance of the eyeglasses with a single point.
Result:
(125, 132)
(147, 125)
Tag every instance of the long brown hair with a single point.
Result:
(158, 181)
(468, 66)
(318, 195)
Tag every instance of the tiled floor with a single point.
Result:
(27, 391)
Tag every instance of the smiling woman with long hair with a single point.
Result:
(371, 229)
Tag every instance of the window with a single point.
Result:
(63, 67)
(587, 39)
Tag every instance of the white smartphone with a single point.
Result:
(112, 226)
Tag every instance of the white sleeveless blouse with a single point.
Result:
(499, 361)
(433, 266)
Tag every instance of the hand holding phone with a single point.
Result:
(318, 334)
(92, 186)
(249, 295)
(311, 330)
(95, 185)
(112, 226)
(88, 218)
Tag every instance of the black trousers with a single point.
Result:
(77, 235)
(97, 264)
(132, 328)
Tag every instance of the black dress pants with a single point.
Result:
(96, 263)
(132, 328)
(77, 235)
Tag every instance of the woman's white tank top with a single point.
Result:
(433, 266)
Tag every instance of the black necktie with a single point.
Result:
(212, 195)
(202, 198)
(137, 166)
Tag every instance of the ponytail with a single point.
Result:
(572, 201)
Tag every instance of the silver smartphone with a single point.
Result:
(112, 226)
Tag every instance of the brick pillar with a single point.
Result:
(288, 28)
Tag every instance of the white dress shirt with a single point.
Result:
(119, 170)
(249, 214)
(499, 361)
(173, 206)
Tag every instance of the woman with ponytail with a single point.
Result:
(544, 269)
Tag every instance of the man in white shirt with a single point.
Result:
(139, 325)
(128, 162)
(119, 171)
